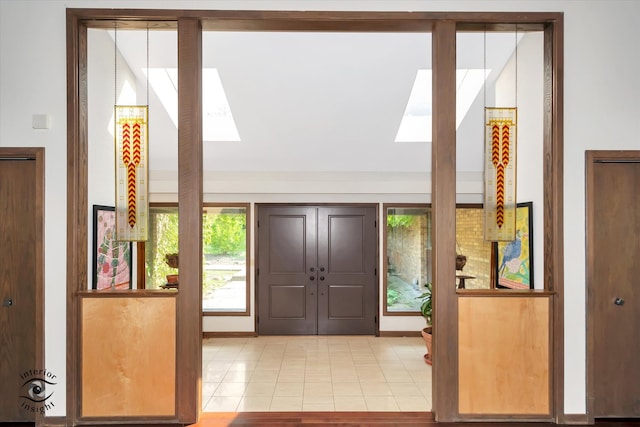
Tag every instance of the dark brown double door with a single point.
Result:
(317, 270)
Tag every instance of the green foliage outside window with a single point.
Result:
(164, 228)
(400, 220)
(224, 234)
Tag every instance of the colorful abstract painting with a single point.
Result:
(111, 258)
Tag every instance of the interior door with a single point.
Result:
(17, 287)
(316, 270)
(614, 295)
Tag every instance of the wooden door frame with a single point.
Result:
(591, 158)
(36, 154)
(443, 26)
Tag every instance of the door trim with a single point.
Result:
(79, 19)
(36, 154)
(591, 158)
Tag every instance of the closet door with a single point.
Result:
(22, 391)
(613, 293)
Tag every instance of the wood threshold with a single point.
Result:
(285, 419)
(54, 421)
(576, 419)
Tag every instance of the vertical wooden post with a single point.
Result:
(189, 317)
(445, 332)
(77, 203)
(553, 206)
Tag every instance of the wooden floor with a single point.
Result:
(291, 419)
(353, 419)
(346, 419)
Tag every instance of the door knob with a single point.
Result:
(312, 277)
(8, 302)
(618, 301)
(321, 268)
(312, 269)
(321, 277)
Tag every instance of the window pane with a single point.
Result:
(408, 247)
(477, 251)
(224, 247)
(163, 240)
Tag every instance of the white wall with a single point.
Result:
(529, 99)
(101, 152)
(602, 56)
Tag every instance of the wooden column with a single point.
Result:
(77, 203)
(443, 198)
(553, 196)
(189, 319)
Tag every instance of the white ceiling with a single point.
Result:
(320, 102)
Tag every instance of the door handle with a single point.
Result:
(8, 302)
(618, 301)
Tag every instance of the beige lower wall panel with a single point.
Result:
(128, 357)
(504, 355)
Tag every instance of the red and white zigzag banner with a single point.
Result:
(132, 201)
(500, 174)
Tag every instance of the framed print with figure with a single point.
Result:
(111, 258)
(514, 259)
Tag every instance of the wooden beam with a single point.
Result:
(189, 317)
(553, 149)
(443, 198)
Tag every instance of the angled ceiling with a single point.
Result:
(305, 101)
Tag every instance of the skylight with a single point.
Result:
(416, 121)
(217, 120)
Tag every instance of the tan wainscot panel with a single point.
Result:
(128, 356)
(504, 355)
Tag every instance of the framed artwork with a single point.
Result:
(111, 258)
(514, 259)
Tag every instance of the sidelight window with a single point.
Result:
(408, 250)
(408, 256)
(224, 248)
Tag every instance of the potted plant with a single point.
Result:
(426, 308)
(172, 261)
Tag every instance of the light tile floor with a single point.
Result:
(315, 373)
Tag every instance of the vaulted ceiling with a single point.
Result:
(323, 102)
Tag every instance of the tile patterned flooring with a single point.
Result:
(315, 373)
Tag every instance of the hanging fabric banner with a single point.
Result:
(500, 174)
(132, 200)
